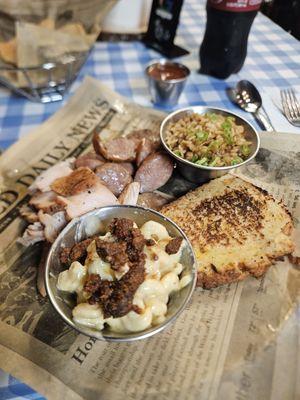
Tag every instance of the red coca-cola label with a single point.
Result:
(235, 5)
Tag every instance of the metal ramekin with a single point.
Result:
(166, 93)
(99, 220)
(200, 173)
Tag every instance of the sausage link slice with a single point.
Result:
(114, 176)
(154, 172)
(120, 149)
(90, 160)
(149, 134)
(129, 167)
(145, 148)
(152, 200)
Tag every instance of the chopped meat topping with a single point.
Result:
(112, 252)
(174, 245)
(120, 301)
(92, 284)
(78, 251)
(103, 293)
(135, 244)
(75, 253)
(116, 297)
(64, 256)
(123, 229)
(120, 227)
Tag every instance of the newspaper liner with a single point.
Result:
(240, 341)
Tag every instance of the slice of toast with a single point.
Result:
(236, 229)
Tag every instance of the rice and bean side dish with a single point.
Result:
(208, 139)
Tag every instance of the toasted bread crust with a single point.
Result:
(236, 229)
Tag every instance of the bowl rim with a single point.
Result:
(203, 167)
(164, 61)
(133, 336)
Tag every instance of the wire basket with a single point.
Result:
(44, 83)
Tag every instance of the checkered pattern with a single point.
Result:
(273, 61)
(11, 388)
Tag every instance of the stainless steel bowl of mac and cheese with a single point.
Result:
(120, 273)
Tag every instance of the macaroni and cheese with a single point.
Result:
(124, 279)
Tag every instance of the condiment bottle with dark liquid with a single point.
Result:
(224, 47)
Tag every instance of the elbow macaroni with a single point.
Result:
(152, 296)
(72, 280)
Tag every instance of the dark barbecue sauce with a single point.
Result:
(167, 72)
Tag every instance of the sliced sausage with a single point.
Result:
(90, 160)
(114, 176)
(147, 142)
(149, 134)
(154, 172)
(96, 142)
(152, 200)
(129, 167)
(120, 149)
(145, 148)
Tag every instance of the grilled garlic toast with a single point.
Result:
(236, 229)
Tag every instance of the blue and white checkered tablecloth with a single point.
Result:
(273, 62)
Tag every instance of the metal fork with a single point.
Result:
(291, 106)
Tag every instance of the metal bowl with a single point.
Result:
(97, 221)
(200, 173)
(166, 93)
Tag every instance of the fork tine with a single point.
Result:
(290, 104)
(295, 103)
(285, 107)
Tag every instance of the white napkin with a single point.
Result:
(272, 105)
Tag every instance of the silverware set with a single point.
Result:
(246, 96)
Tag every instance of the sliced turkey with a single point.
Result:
(46, 201)
(44, 180)
(53, 224)
(34, 233)
(78, 181)
(95, 197)
(28, 213)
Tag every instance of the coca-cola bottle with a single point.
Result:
(224, 47)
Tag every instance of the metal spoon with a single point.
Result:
(247, 97)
